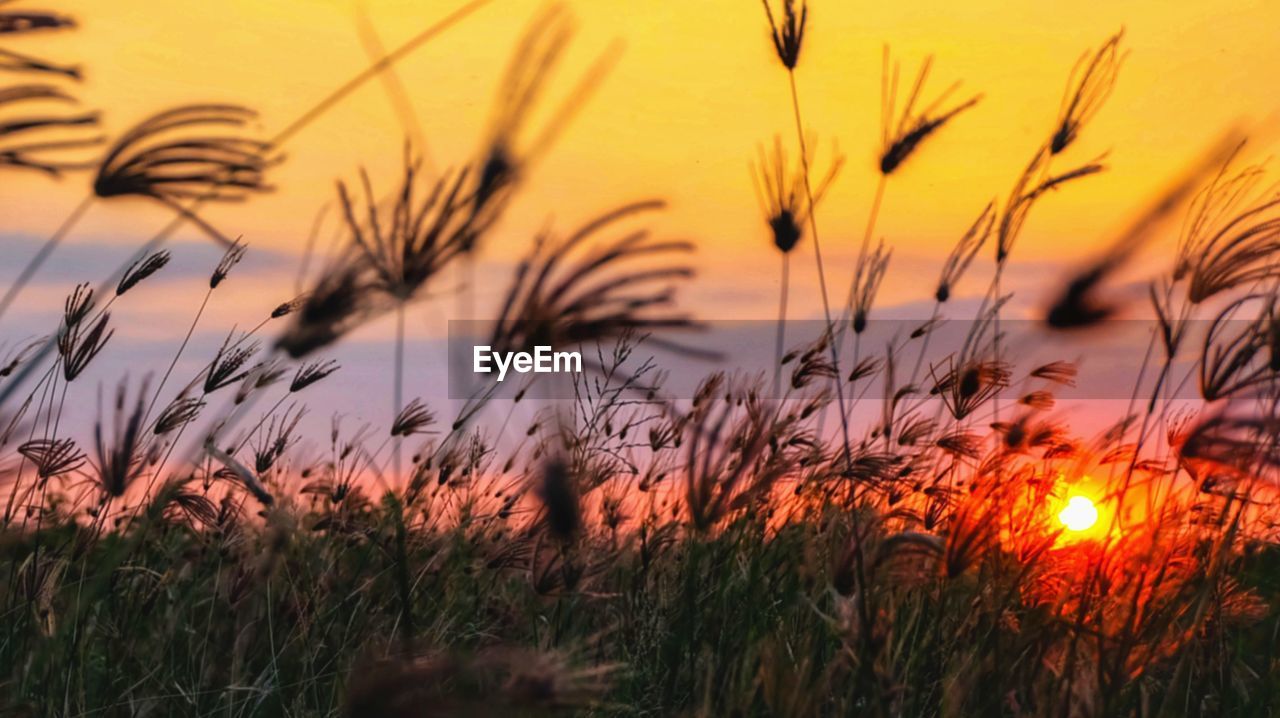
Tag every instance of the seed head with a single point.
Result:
(900, 139)
(1030, 187)
(286, 308)
(783, 194)
(1058, 372)
(413, 419)
(867, 278)
(16, 357)
(409, 244)
(230, 258)
(37, 139)
(22, 22)
(787, 35)
(340, 301)
(226, 368)
(181, 411)
(964, 251)
(275, 440)
(562, 297)
(1088, 88)
(141, 269)
(120, 460)
(77, 345)
(311, 373)
(175, 158)
(508, 153)
(77, 305)
(53, 457)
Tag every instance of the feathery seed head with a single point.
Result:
(141, 269)
(340, 301)
(120, 461)
(311, 373)
(562, 298)
(964, 251)
(171, 157)
(507, 153)
(414, 418)
(787, 32)
(416, 238)
(76, 344)
(35, 138)
(77, 305)
(900, 139)
(21, 22)
(1088, 88)
(230, 259)
(181, 411)
(781, 192)
(227, 366)
(53, 457)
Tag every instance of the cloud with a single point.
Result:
(81, 261)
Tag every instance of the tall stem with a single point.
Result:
(375, 69)
(874, 215)
(397, 398)
(46, 249)
(780, 345)
(808, 192)
(822, 276)
(995, 337)
(401, 547)
(51, 343)
(177, 355)
(288, 132)
(931, 326)
(867, 233)
(846, 314)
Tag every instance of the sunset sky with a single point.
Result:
(694, 92)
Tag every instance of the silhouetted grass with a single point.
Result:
(626, 552)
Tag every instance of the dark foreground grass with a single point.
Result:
(165, 620)
(862, 540)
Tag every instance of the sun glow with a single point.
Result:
(1079, 514)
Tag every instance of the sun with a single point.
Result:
(1079, 514)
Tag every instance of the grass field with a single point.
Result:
(861, 531)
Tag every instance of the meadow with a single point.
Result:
(864, 530)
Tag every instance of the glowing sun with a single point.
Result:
(1079, 514)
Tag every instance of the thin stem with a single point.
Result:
(52, 342)
(817, 251)
(397, 94)
(397, 394)
(808, 191)
(995, 337)
(248, 435)
(291, 129)
(177, 355)
(46, 249)
(169, 451)
(780, 345)
(468, 305)
(873, 217)
(375, 69)
(43, 390)
(866, 246)
(847, 313)
(924, 346)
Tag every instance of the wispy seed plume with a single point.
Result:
(901, 138)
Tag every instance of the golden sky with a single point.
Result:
(696, 89)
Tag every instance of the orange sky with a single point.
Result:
(694, 92)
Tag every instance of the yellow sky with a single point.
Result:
(680, 115)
